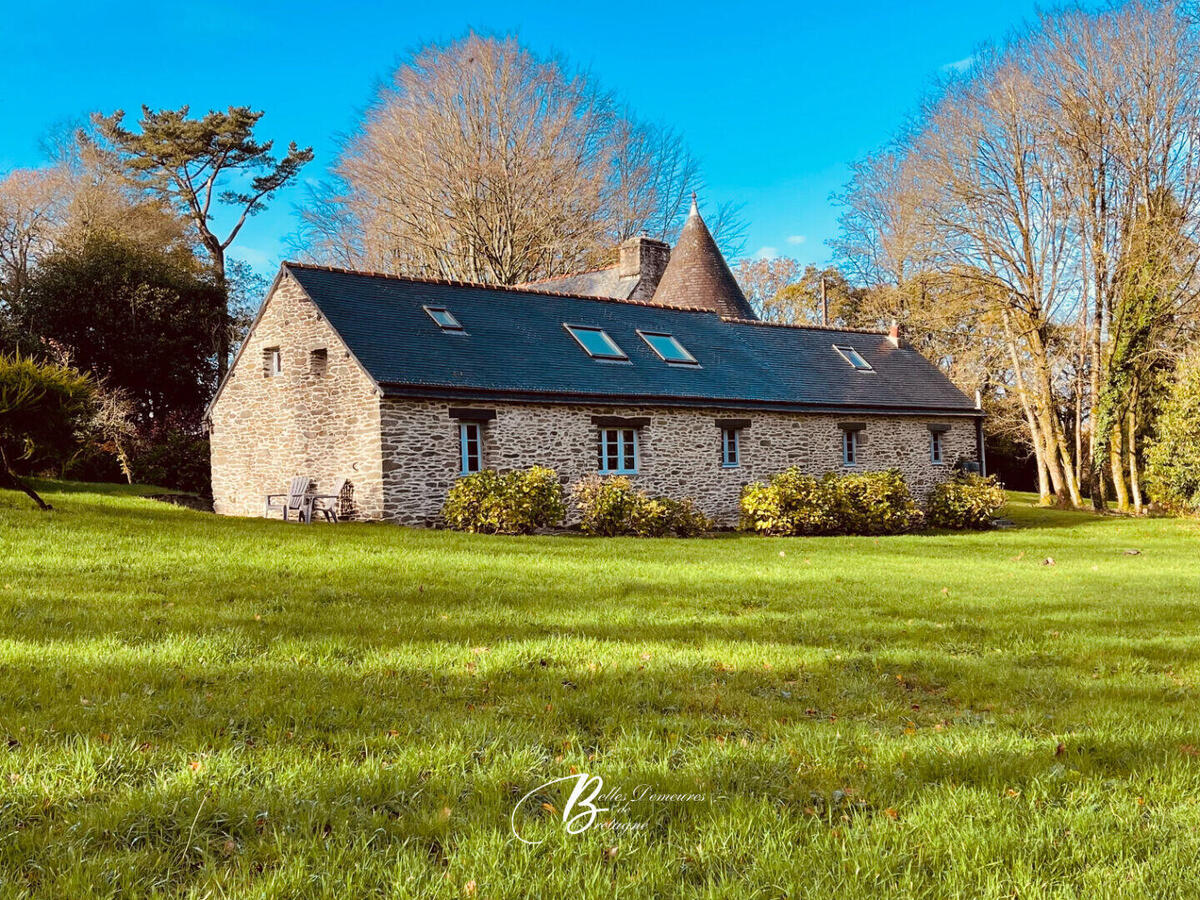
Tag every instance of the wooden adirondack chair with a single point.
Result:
(294, 501)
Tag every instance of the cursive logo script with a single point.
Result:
(628, 811)
(579, 813)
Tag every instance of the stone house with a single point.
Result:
(657, 368)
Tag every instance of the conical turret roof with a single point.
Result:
(698, 276)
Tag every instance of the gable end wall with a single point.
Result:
(266, 430)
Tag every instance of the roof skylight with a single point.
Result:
(853, 357)
(444, 318)
(668, 348)
(596, 342)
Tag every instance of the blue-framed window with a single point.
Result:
(470, 443)
(849, 447)
(731, 451)
(618, 451)
(936, 449)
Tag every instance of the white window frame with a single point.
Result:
(274, 365)
(937, 448)
(849, 447)
(625, 439)
(468, 433)
(731, 440)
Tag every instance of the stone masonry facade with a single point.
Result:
(318, 413)
(319, 416)
(679, 450)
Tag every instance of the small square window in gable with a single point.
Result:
(272, 362)
(318, 361)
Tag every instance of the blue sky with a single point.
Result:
(776, 99)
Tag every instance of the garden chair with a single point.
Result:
(294, 501)
(325, 504)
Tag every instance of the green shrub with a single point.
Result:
(605, 505)
(1173, 454)
(875, 503)
(533, 500)
(42, 407)
(518, 502)
(612, 506)
(793, 503)
(966, 501)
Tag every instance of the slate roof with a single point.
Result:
(698, 276)
(596, 283)
(515, 347)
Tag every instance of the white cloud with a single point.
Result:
(960, 65)
(796, 238)
(767, 253)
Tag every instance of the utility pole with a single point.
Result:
(824, 303)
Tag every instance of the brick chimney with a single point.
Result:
(645, 259)
(894, 333)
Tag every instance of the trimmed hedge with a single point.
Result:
(518, 502)
(612, 506)
(965, 501)
(793, 503)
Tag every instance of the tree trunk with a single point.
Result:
(1135, 481)
(222, 337)
(1097, 485)
(1116, 464)
(14, 480)
(1039, 454)
(1035, 432)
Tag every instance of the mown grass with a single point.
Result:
(206, 707)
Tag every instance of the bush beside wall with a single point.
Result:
(966, 501)
(793, 503)
(518, 502)
(612, 506)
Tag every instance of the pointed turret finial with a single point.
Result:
(697, 276)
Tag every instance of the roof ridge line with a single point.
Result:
(508, 288)
(571, 275)
(736, 321)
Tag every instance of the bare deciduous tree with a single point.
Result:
(483, 162)
(1056, 188)
(33, 205)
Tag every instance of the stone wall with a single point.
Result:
(303, 421)
(679, 451)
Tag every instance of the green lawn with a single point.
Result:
(206, 707)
